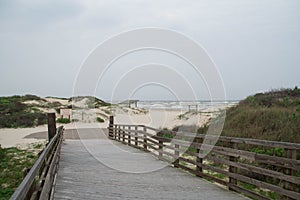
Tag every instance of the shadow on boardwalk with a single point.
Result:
(83, 176)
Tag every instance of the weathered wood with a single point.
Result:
(258, 170)
(119, 132)
(51, 126)
(160, 147)
(115, 132)
(136, 136)
(82, 177)
(265, 143)
(46, 190)
(292, 154)
(23, 191)
(176, 155)
(198, 159)
(228, 148)
(232, 169)
(129, 136)
(145, 138)
(110, 127)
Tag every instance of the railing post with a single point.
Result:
(160, 149)
(111, 127)
(129, 135)
(232, 169)
(119, 133)
(145, 139)
(123, 132)
(115, 132)
(291, 154)
(176, 153)
(136, 138)
(51, 126)
(198, 159)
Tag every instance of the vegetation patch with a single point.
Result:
(99, 119)
(63, 120)
(14, 113)
(13, 162)
(273, 115)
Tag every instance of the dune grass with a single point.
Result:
(13, 162)
(273, 115)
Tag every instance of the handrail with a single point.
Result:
(268, 143)
(23, 191)
(230, 158)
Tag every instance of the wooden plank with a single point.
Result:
(136, 136)
(290, 164)
(255, 182)
(145, 138)
(232, 168)
(198, 159)
(110, 127)
(161, 150)
(258, 142)
(265, 143)
(262, 158)
(24, 187)
(292, 154)
(259, 170)
(47, 187)
(176, 155)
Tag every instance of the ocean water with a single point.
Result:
(184, 105)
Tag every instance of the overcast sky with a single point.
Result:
(254, 43)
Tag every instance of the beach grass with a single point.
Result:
(13, 162)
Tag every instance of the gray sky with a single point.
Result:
(254, 43)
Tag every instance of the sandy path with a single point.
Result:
(20, 137)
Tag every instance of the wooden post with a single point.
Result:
(136, 138)
(291, 154)
(110, 127)
(198, 159)
(119, 133)
(232, 169)
(123, 132)
(176, 153)
(145, 139)
(51, 126)
(115, 132)
(129, 136)
(160, 148)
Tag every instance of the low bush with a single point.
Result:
(99, 119)
(63, 120)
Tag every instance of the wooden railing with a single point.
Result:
(38, 183)
(243, 165)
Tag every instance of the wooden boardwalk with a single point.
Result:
(96, 169)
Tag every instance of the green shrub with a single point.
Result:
(14, 113)
(63, 120)
(99, 119)
(12, 163)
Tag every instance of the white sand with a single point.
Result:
(10, 137)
